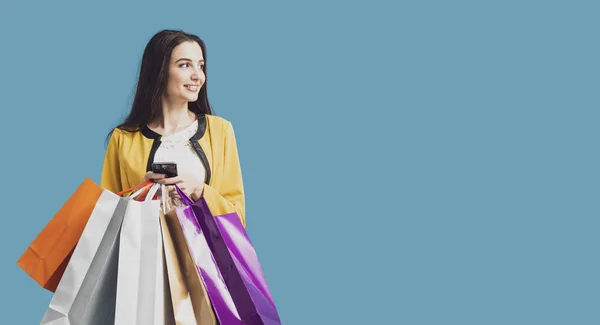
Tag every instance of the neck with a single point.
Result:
(173, 117)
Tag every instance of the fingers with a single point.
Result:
(168, 181)
(153, 176)
(173, 191)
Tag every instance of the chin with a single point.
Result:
(189, 97)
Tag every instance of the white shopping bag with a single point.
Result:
(86, 293)
(140, 278)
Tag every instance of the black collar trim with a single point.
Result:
(201, 118)
(194, 141)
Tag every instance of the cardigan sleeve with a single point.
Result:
(227, 196)
(110, 178)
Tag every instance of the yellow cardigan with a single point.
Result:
(129, 156)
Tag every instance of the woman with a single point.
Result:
(171, 121)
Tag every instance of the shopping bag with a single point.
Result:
(190, 301)
(47, 256)
(246, 261)
(169, 313)
(86, 291)
(220, 298)
(237, 262)
(140, 296)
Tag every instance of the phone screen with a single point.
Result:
(167, 168)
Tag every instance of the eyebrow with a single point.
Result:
(186, 59)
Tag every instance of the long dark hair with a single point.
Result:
(153, 78)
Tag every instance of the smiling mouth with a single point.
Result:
(192, 87)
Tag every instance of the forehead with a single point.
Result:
(189, 50)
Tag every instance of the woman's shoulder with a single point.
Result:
(121, 135)
(217, 122)
(216, 119)
(120, 132)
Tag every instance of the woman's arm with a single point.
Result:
(229, 196)
(110, 178)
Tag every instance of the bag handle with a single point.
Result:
(149, 191)
(140, 185)
(153, 189)
(142, 191)
(184, 198)
(164, 196)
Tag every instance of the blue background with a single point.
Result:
(407, 162)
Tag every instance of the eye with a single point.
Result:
(184, 64)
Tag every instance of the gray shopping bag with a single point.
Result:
(85, 294)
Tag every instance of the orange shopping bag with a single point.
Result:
(46, 258)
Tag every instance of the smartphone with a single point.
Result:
(167, 168)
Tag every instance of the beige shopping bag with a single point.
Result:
(191, 304)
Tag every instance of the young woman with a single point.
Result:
(171, 121)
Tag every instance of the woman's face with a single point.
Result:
(185, 73)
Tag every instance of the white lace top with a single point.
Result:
(177, 148)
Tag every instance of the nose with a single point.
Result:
(194, 75)
(197, 71)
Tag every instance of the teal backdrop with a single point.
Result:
(405, 162)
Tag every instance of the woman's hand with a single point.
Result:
(192, 187)
(150, 176)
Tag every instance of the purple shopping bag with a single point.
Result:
(237, 262)
(216, 289)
